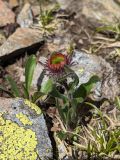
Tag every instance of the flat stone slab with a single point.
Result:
(23, 132)
(22, 38)
(6, 14)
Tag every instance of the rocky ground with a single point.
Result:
(75, 26)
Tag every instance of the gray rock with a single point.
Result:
(94, 12)
(85, 66)
(24, 131)
(22, 38)
(64, 4)
(6, 14)
(88, 65)
(25, 18)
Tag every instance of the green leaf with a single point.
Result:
(63, 110)
(80, 92)
(6, 91)
(40, 79)
(84, 89)
(26, 94)
(89, 85)
(70, 115)
(14, 87)
(73, 111)
(78, 100)
(117, 101)
(106, 28)
(29, 71)
(56, 94)
(47, 87)
(62, 135)
(36, 96)
(111, 143)
(74, 77)
(89, 149)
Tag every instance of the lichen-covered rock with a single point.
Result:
(21, 39)
(23, 132)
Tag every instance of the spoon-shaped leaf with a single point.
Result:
(47, 87)
(29, 71)
(84, 89)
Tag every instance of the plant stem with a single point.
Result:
(79, 146)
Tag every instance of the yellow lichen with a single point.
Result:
(2, 122)
(16, 143)
(32, 106)
(24, 119)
